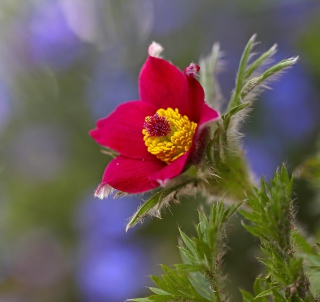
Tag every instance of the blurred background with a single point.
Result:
(66, 63)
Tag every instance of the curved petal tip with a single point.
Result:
(103, 191)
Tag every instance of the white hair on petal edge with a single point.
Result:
(155, 49)
(103, 191)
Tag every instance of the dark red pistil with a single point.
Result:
(157, 125)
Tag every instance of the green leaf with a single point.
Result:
(235, 99)
(267, 292)
(189, 268)
(265, 56)
(187, 257)
(302, 243)
(258, 286)
(247, 297)
(249, 216)
(188, 242)
(314, 259)
(278, 296)
(160, 283)
(236, 109)
(159, 291)
(143, 210)
(156, 199)
(251, 230)
(256, 81)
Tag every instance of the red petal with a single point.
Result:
(164, 85)
(122, 129)
(131, 175)
(201, 137)
(208, 115)
(196, 99)
(170, 171)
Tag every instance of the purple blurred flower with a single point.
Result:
(167, 20)
(112, 274)
(109, 88)
(51, 40)
(111, 268)
(292, 107)
(264, 155)
(99, 220)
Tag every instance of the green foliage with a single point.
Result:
(199, 277)
(235, 98)
(271, 220)
(224, 152)
(154, 203)
(244, 82)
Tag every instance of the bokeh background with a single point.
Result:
(66, 63)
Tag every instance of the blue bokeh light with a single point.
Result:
(51, 41)
(112, 263)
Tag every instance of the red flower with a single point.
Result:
(157, 136)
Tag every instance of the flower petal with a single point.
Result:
(164, 85)
(131, 175)
(208, 115)
(195, 98)
(170, 171)
(122, 129)
(202, 135)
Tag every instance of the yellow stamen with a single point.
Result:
(168, 145)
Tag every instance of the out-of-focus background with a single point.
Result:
(66, 63)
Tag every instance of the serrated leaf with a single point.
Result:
(267, 292)
(203, 249)
(314, 259)
(159, 282)
(251, 230)
(302, 243)
(155, 298)
(188, 242)
(159, 291)
(250, 216)
(172, 275)
(315, 268)
(190, 267)
(187, 256)
(278, 296)
(232, 209)
(258, 286)
(140, 300)
(247, 297)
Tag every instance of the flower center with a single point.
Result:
(167, 134)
